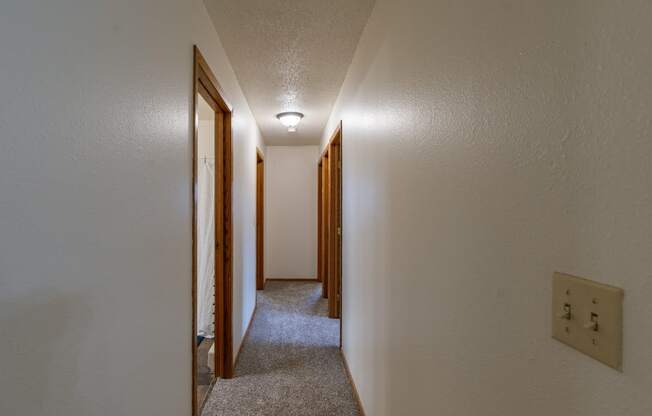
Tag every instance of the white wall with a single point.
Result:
(95, 204)
(291, 211)
(485, 145)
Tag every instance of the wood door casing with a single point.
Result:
(324, 226)
(334, 231)
(219, 241)
(329, 231)
(206, 85)
(319, 222)
(260, 221)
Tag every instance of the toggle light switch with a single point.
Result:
(566, 312)
(593, 322)
(588, 316)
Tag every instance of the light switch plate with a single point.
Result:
(588, 302)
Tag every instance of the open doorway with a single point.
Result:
(260, 220)
(212, 355)
(330, 224)
(205, 250)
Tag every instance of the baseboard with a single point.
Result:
(355, 389)
(244, 337)
(292, 279)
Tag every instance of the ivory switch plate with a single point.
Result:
(588, 316)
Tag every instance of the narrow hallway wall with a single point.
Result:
(486, 145)
(95, 205)
(291, 211)
(246, 138)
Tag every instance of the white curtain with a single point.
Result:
(206, 249)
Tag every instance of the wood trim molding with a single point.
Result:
(324, 224)
(205, 83)
(336, 137)
(331, 224)
(260, 220)
(195, 131)
(292, 279)
(334, 230)
(320, 209)
(228, 249)
(209, 78)
(350, 377)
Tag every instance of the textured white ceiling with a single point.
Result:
(290, 55)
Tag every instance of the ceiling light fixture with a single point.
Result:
(290, 119)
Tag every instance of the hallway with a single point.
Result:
(290, 362)
(469, 183)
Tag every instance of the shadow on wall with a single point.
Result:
(40, 336)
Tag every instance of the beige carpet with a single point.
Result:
(290, 363)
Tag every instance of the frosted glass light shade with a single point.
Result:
(290, 119)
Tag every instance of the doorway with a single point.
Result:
(260, 220)
(212, 234)
(330, 224)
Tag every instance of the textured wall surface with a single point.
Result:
(291, 211)
(95, 205)
(290, 56)
(487, 144)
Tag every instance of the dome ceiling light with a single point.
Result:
(290, 119)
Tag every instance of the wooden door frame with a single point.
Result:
(335, 223)
(331, 227)
(324, 223)
(319, 221)
(205, 83)
(260, 221)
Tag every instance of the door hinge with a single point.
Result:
(339, 230)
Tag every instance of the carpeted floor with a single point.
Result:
(290, 363)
